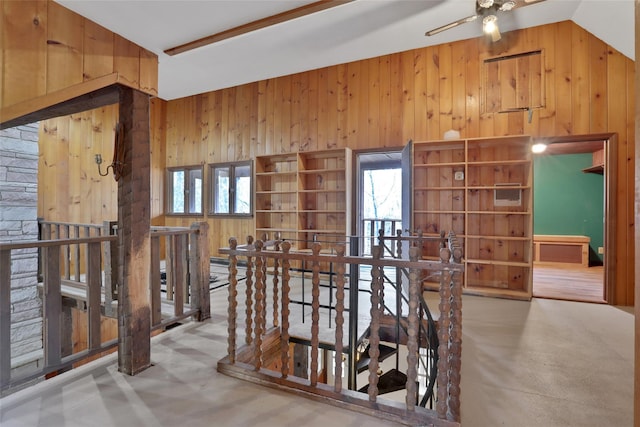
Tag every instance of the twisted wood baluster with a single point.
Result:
(263, 302)
(315, 314)
(259, 306)
(249, 295)
(374, 338)
(232, 300)
(412, 332)
(456, 344)
(443, 338)
(340, 269)
(399, 244)
(284, 336)
(275, 287)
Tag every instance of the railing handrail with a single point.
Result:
(347, 259)
(70, 224)
(33, 244)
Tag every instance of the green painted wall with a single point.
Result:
(568, 201)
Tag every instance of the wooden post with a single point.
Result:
(134, 222)
(275, 287)
(52, 307)
(374, 338)
(180, 263)
(232, 301)
(155, 282)
(200, 271)
(249, 296)
(260, 311)
(284, 336)
(94, 276)
(442, 407)
(412, 331)
(455, 358)
(315, 312)
(110, 262)
(340, 268)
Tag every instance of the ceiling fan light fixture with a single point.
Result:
(508, 5)
(485, 3)
(489, 24)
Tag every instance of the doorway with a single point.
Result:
(379, 196)
(573, 248)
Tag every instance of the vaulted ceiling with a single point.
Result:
(353, 30)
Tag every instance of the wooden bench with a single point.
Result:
(561, 250)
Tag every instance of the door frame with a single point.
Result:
(610, 141)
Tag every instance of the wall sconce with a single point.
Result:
(118, 157)
(98, 158)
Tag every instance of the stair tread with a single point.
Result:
(390, 381)
(385, 352)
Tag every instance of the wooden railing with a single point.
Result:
(51, 251)
(186, 274)
(186, 262)
(264, 355)
(372, 226)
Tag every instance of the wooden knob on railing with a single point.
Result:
(249, 239)
(233, 243)
(445, 255)
(286, 247)
(259, 245)
(315, 248)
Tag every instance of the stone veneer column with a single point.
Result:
(18, 221)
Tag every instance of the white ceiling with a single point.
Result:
(357, 30)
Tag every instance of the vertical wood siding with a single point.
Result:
(384, 102)
(47, 48)
(418, 94)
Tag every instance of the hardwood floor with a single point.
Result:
(572, 284)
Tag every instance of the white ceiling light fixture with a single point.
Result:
(538, 148)
(490, 27)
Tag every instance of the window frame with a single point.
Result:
(232, 188)
(187, 179)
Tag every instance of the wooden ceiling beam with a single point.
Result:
(257, 25)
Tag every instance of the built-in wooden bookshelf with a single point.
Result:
(482, 190)
(304, 197)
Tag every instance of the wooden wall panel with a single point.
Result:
(158, 110)
(65, 34)
(69, 186)
(397, 97)
(24, 28)
(47, 48)
(98, 51)
(383, 102)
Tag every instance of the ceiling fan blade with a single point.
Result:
(523, 3)
(451, 25)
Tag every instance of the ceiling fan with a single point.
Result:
(487, 10)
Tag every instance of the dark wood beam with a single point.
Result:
(134, 246)
(257, 25)
(95, 99)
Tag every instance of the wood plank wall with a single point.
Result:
(418, 94)
(47, 48)
(383, 102)
(69, 186)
